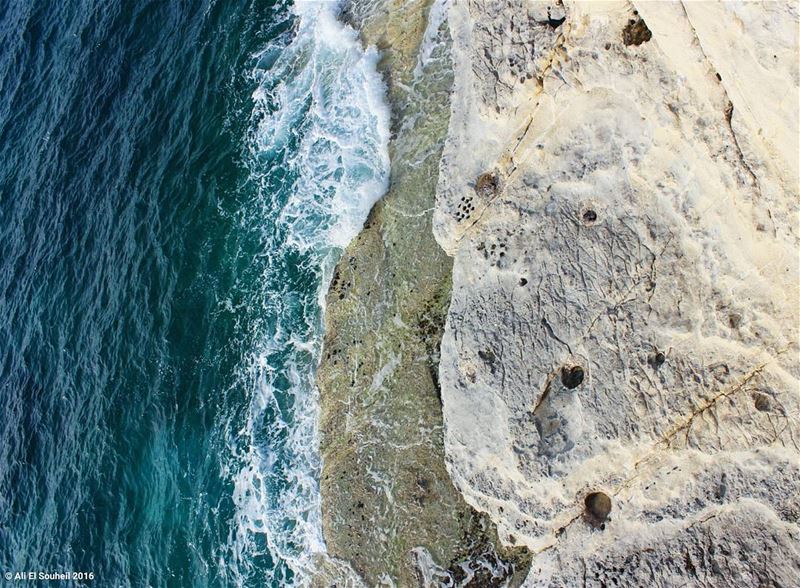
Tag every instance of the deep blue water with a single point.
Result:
(176, 180)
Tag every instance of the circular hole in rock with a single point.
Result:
(589, 216)
(572, 377)
(657, 360)
(487, 184)
(597, 508)
(762, 403)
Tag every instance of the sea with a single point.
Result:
(177, 181)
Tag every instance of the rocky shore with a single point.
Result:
(564, 349)
(390, 510)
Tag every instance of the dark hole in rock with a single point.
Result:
(522, 281)
(608, 46)
(722, 489)
(734, 320)
(589, 216)
(488, 357)
(572, 377)
(657, 360)
(556, 22)
(487, 184)
(598, 506)
(762, 403)
(636, 32)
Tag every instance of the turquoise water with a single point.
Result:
(176, 180)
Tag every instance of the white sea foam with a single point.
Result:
(432, 38)
(343, 154)
(320, 115)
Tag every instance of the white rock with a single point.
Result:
(644, 227)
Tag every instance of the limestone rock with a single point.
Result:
(625, 303)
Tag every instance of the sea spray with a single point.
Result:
(435, 37)
(318, 155)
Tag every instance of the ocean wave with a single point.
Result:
(318, 156)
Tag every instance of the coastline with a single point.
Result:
(320, 121)
(571, 324)
(389, 507)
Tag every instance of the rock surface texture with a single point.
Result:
(620, 367)
(391, 515)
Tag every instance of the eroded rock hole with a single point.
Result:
(657, 360)
(572, 377)
(487, 184)
(762, 402)
(597, 508)
(636, 32)
(589, 216)
(488, 357)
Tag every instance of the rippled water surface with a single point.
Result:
(176, 180)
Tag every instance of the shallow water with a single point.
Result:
(176, 181)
